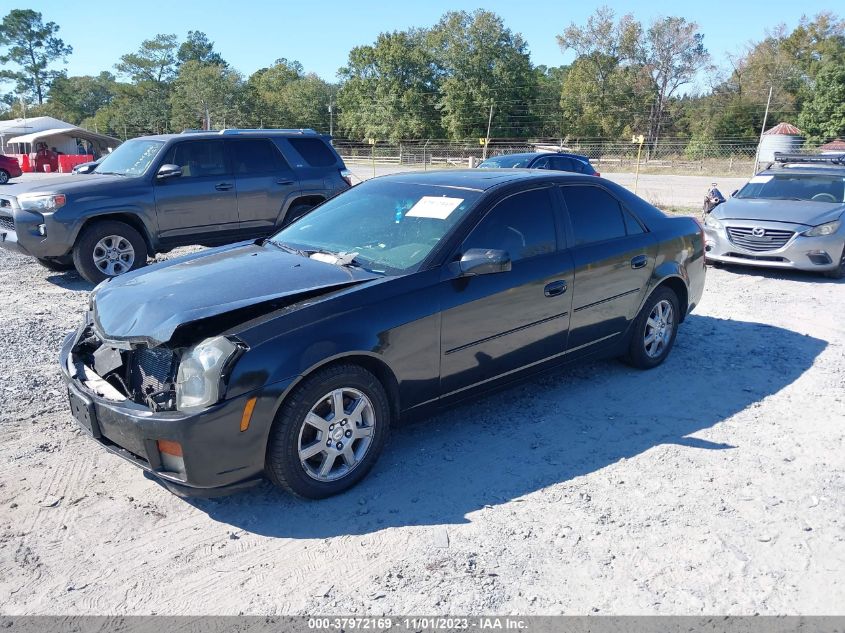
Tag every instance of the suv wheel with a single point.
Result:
(654, 330)
(108, 249)
(329, 433)
(57, 264)
(4, 176)
(838, 273)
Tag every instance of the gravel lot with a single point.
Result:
(712, 484)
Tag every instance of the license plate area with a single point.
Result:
(83, 410)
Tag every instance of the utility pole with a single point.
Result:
(487, 139)
(331, 117)
(762, 131)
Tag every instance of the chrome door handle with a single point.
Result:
(223, 186)
(639, 261)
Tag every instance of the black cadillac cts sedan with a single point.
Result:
(291, 357)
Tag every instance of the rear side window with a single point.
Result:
(561, 163)
(523, 225)
(198, 158)
(256, 156)
(595, 215)
(314, 151)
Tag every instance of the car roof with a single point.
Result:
(478, 179)
(236, 133)
(537, 154)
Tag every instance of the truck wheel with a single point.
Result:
(57, 264)
(329, 432)
(108, 249)
(4, 176)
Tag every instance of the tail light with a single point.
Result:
(597, 174)
(347, 176)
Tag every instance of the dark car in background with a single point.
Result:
(558, 161)
(9, 168)
(155, 193)
(292, 356)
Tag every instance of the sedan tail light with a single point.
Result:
(598, 174)
(347, 176)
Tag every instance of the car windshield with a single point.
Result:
(506, 161)
(133, 158)
(390, 226)
(813, 187)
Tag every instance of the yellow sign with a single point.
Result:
(371, 141)
(482, 141)
(638, 139)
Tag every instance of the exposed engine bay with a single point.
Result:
(145, 375)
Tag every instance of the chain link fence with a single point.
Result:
(680, 156)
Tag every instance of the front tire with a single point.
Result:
(654, 330)
(329, 433)
(108, 249)
(4, 176)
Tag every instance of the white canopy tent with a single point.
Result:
(20, 136)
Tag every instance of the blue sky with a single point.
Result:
(319, 33)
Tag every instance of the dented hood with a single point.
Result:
(147, 305)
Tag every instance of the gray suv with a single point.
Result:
(155, 193)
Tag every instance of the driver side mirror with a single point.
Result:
(85, 168)
(484, 261)
(168, 171)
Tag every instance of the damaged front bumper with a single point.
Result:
(217, 456)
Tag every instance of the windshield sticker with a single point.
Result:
(760, 179)
(434, 207)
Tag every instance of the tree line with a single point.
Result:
(457, 79)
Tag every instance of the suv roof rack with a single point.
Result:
(821, 159)
(234, 131)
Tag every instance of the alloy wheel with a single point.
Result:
(336, 434)
(659, 328)
(114, 255)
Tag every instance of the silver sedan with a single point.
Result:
(788, 217)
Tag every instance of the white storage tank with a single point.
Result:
(784, 137)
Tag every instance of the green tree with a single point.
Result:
(206, 95)
(265, 93)
(33, 46)
(823, 115)
(198, 48)
(74, 99)
(389, 89)
(674, 53)
(482, 64)
(152, 69)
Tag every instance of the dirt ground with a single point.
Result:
(712, 484)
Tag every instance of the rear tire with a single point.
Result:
(107, 249)
(838, 273)
(296, 212)
(4, 176)
(57, 264)
(315, 452)
(654, 330)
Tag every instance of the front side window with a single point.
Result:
(596, 216)
(811, 187)
(132, 158)
(390, 225)
(199, 159)
(523, 225)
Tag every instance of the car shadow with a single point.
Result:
(804, 276)
(556, 427)
(70, 280)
